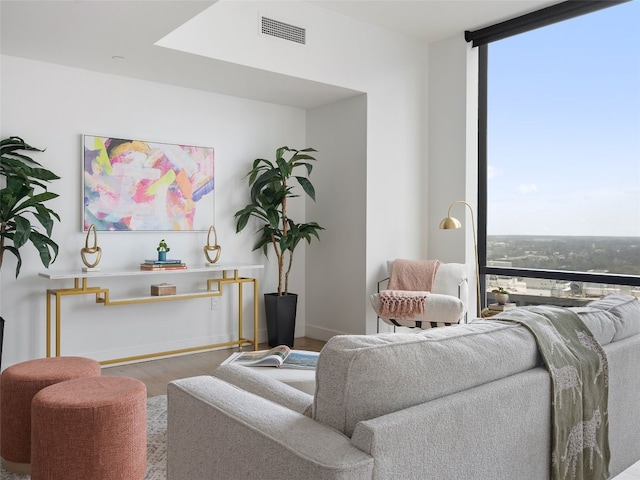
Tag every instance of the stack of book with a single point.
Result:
(501, 307)
(163, 265)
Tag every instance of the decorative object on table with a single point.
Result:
(270, 190)
(501, 295)
(94, 250)
(25, 194)
(162, 249)
(212, 248)
(451, 223)
(158, 186)
(163, 289)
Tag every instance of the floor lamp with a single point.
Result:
(451, 223)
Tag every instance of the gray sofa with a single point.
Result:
(463, 402)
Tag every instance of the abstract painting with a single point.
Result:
(136, 185)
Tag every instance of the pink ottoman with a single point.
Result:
(19, 383)
(90, 428)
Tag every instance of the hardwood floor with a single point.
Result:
(156, 374)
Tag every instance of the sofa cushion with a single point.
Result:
(625, 310)
(601, 323)
(360, 377)
(609, 319)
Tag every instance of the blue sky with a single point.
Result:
(564, 128)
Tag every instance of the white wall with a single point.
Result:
(386, 177)
(391, 70)
(335, 267)
(453, 105)
(51, 106)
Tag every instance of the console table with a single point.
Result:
(214, 288)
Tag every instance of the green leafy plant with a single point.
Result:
(163, 247)
(270, 189)
(499, 290)
(24, 217)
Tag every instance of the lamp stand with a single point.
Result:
(451, 222)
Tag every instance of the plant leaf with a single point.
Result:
(23, 231)
(16, 253)
(307, 187)
(43, 244)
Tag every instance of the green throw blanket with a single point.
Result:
(578, 368)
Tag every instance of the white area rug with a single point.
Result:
(156, 442)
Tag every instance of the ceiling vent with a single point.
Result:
(285, 31)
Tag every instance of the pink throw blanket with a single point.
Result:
(413, 275)
(409, 285)
(401, 304)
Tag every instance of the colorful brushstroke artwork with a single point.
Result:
(135, 185)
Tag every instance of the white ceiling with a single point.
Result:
(87, 34)
(433, 20)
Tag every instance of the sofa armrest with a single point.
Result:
(266, 387)
(217, 430)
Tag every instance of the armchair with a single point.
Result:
(445, 305)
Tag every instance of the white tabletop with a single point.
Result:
(201, 268)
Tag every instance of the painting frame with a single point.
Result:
(146, 186)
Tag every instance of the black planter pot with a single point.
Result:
(1, 335)
(280, 311)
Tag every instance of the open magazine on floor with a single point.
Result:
(281, 356)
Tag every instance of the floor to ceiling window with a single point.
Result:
(559, 192)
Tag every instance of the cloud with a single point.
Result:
(530, 188)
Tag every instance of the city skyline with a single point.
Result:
(605, 254)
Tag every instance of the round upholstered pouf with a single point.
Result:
(90, 428)
(19, 383)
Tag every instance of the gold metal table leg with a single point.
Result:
(255, 314)
(102, 297)
(58, 322)
(240, 289)
(48, 323)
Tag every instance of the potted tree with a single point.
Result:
(270, 188)
(22, 200)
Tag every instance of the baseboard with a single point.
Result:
(320, 333)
